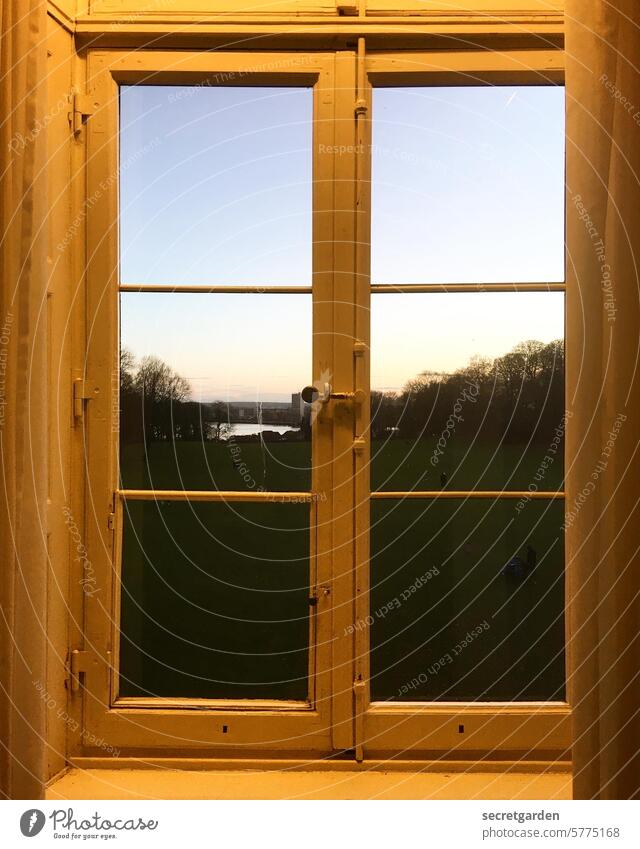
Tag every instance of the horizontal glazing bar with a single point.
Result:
(375, 287)
(504, 493)
(215, 290)
(215, 495)
(162, 702)
(467, 287)
(459, 708)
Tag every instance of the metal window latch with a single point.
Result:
(318, 593)
(83, 390)
(313, 395)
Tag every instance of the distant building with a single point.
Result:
(245, 413)
(297, 408)
(267, 412)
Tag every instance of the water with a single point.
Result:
(245, 429)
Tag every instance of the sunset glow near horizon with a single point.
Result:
(216, 188)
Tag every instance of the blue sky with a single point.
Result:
(468, 185)
(215, 187)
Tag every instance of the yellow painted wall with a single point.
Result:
(65, 10)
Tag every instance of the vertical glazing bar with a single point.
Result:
(341, 412)
(362, 410)
(322, 447)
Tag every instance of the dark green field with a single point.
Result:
(217, 465)
(421, 648)
(396, 464)
(215, 600)
(215, 595)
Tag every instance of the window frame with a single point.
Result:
(347, 719)
(168, 724)
(459, 729)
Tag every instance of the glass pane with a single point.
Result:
(468, 184)
(215, 185)
(467, 600)
(215, 600)
(467, 391)
(209, 389)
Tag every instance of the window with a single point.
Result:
(355, 566)
(467, 593)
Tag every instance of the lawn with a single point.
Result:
(215, 595)
(421, 648)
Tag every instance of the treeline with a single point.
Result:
(155, 405)
(517, 396)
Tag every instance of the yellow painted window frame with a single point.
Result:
(459, 729)
(174, 724)
(347, 719)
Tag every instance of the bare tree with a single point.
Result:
(217, 419)
(154, 401)
(158, 382)
(127, 371)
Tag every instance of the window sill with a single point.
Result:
(377, 780)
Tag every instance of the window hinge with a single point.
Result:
(78, 664)
(111, 521)
(82, 662)
(359, 444)
(359, 348)
(82, 106)
(359, 693)
(361, 107)
(83, 390)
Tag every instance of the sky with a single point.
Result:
(215, 187)
(468, 185)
